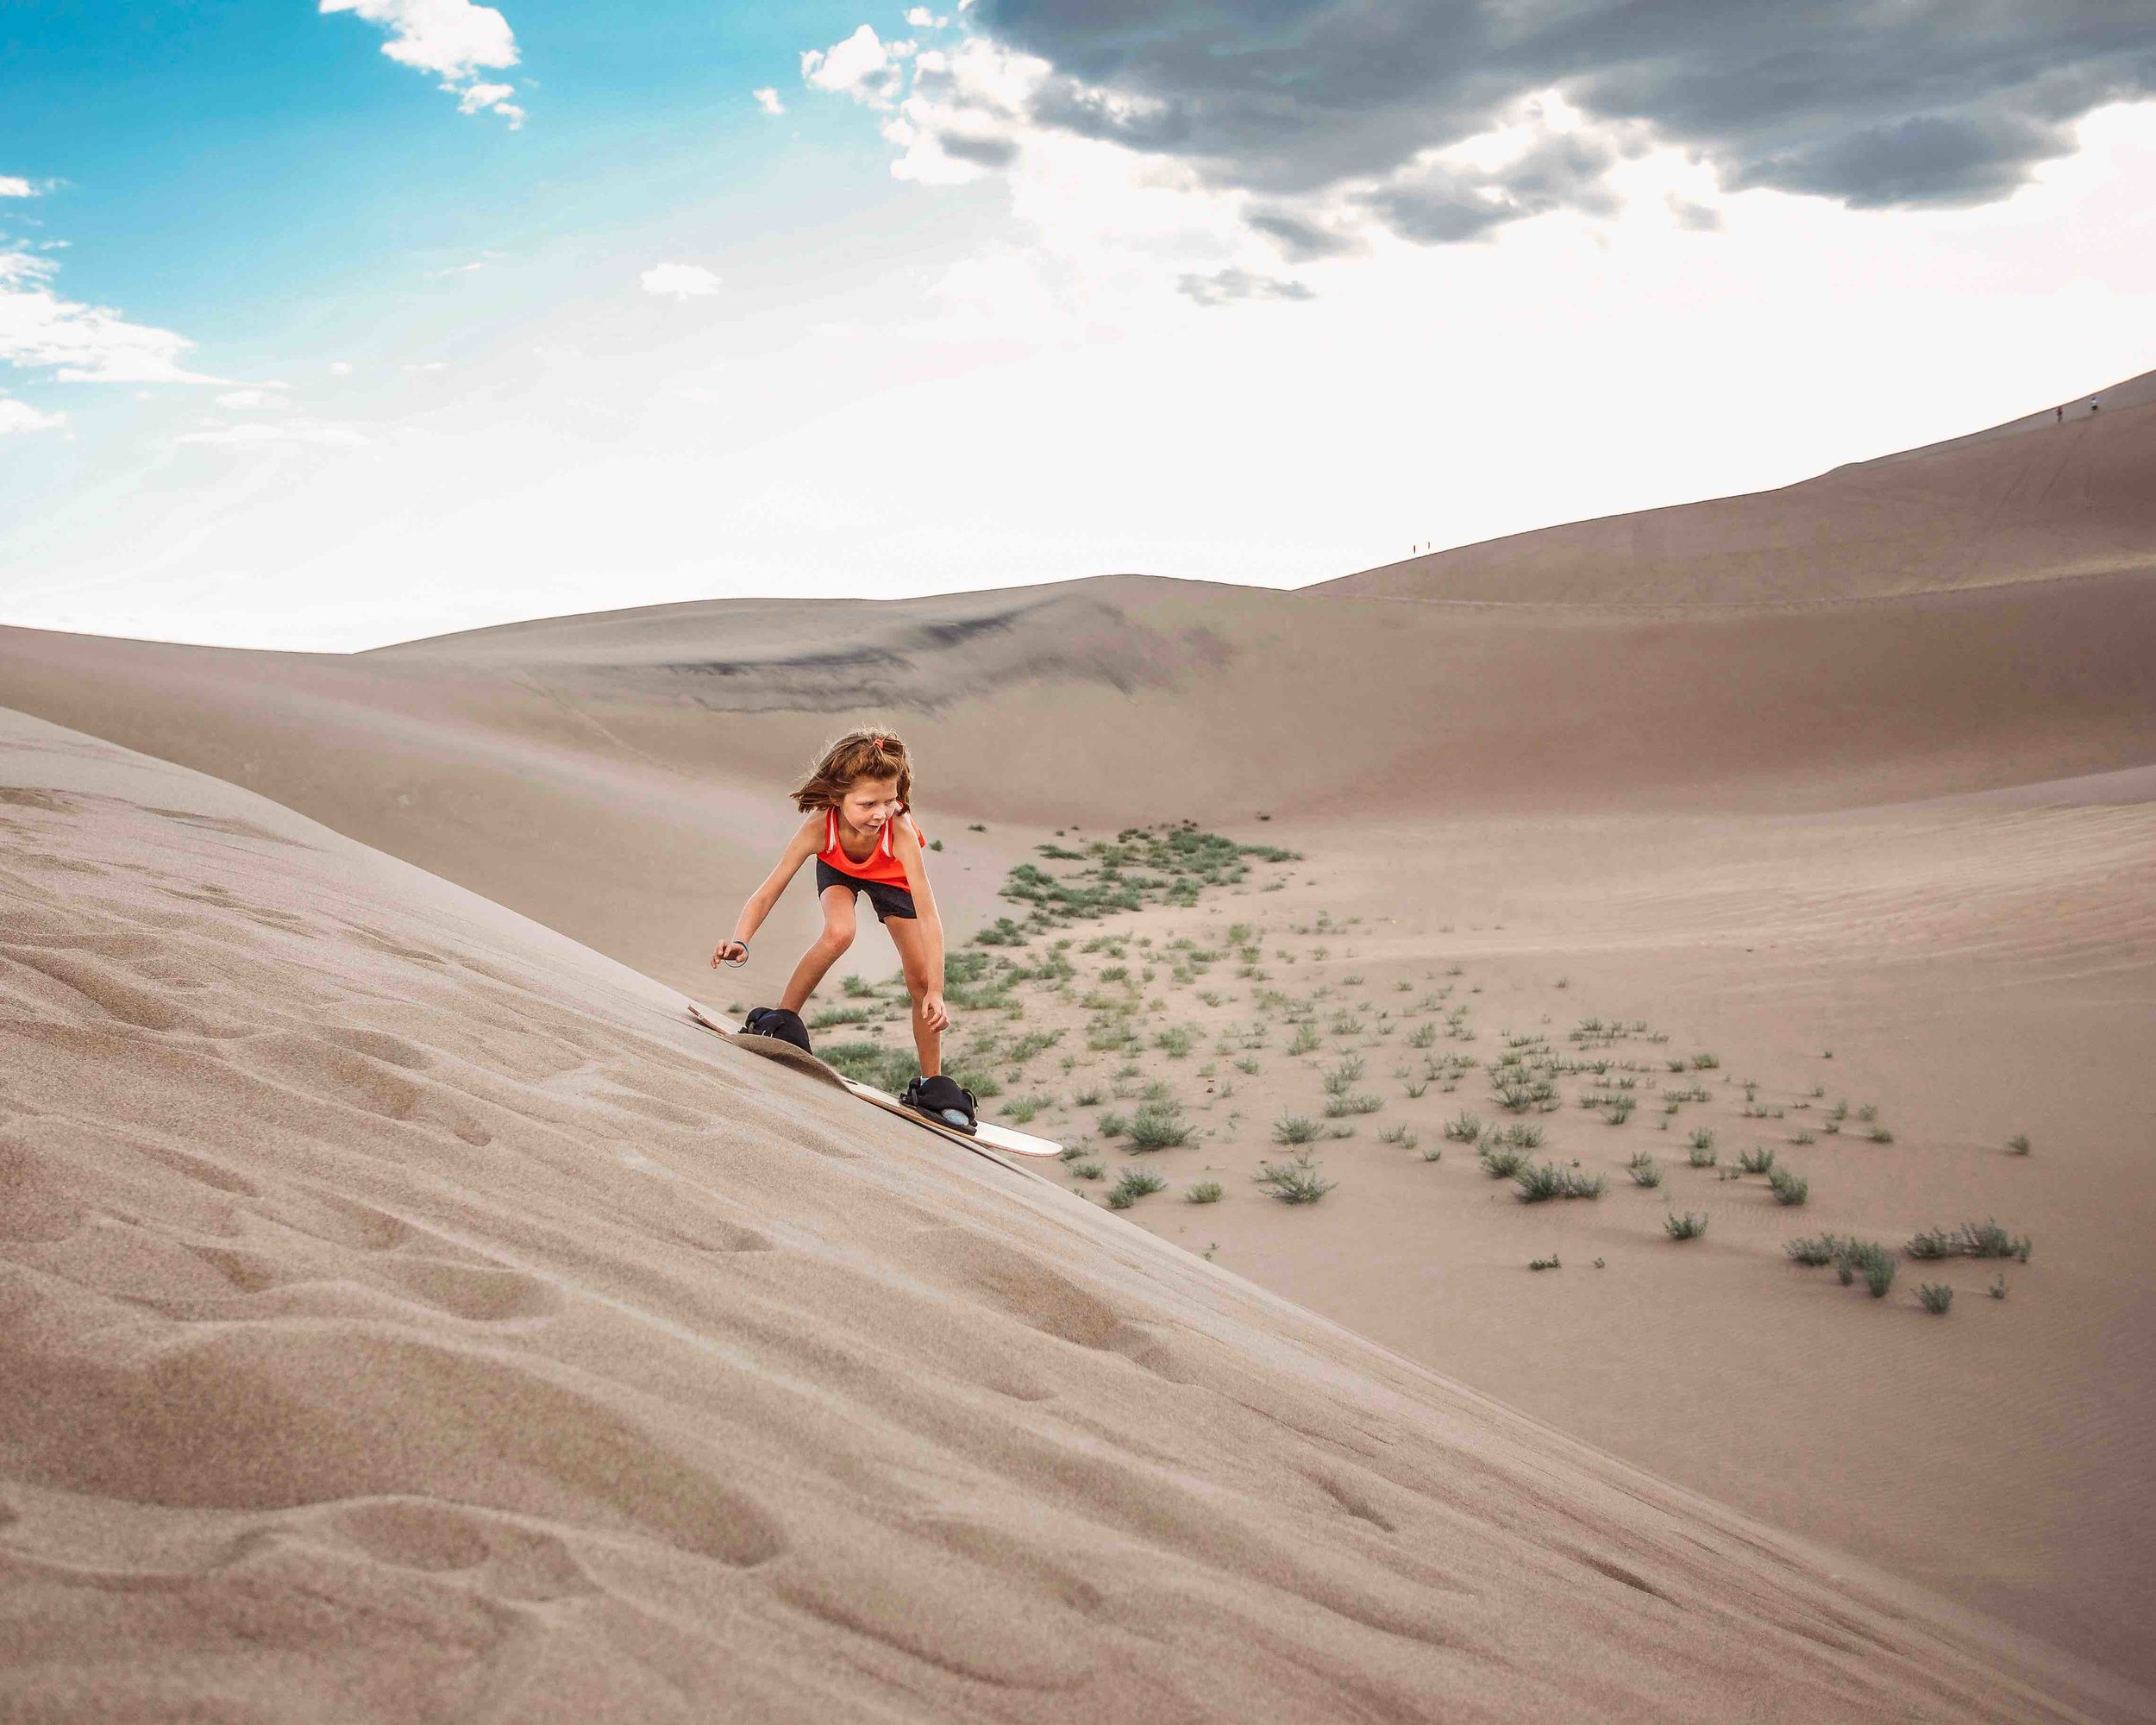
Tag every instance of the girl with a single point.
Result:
(864, 839)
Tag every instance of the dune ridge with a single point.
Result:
(2036, 498)
(424, 1321)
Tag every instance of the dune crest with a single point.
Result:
(404, 1303)
(2038, 498)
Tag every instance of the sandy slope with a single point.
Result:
(409, 1317)
(2036, 498)
(1867, 824)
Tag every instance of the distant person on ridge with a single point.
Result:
(861, 831)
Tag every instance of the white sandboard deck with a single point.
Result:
(990, 1139)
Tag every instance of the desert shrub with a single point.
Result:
(1463, 1128)
(1689, 1225)
(1501, 1163)
(1088, 1170)
(1756, 1160)
(1855, 1257)
(1789, 1188)
(1537, 1185)
(1363, 1102)
(1159, 1126)
(1296, 1129)
(1813, 1250)
(1935, 1297)
(1339, 1078)
(1203, 1192)
(1971, 1239)
(1111, 1126)
(1516, 1095)
(1133, 1184)
(1294, 1182)
(2018, 1144)
(1644, 1171)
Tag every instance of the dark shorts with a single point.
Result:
(889, 902)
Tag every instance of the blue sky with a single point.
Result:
(300, 348)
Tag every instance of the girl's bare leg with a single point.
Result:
(913, 945)
(830, 946)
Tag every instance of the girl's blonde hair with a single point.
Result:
(858, 755)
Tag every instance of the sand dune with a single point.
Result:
(2034, 499)
(409, 1316)
(1912, 827)
(530, 763)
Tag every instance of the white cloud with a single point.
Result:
(920, 18)
(768, 99)
(478, 98)
(19, 415)
(862, 66)
(14, 185)
(683, 281)
(84, 343)
(341, 369)
(248, 399)
(256, 435)
(453, 38)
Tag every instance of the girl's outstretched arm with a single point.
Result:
(804, 844)
(905, 845)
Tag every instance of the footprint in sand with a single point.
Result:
(326, 1067)
(1021, 1285)
(492, 1294)
(265, 1417)
(520, 1562)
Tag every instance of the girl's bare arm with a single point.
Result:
(804, 844)
(905, 845)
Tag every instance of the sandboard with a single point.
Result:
(989, 1138)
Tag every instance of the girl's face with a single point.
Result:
(869, 803)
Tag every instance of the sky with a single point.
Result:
(328, 323)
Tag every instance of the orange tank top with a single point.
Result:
(881, 866)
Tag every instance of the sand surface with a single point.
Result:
(1809, 808)
(409, 1316)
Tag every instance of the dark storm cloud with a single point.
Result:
(1875, 103)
